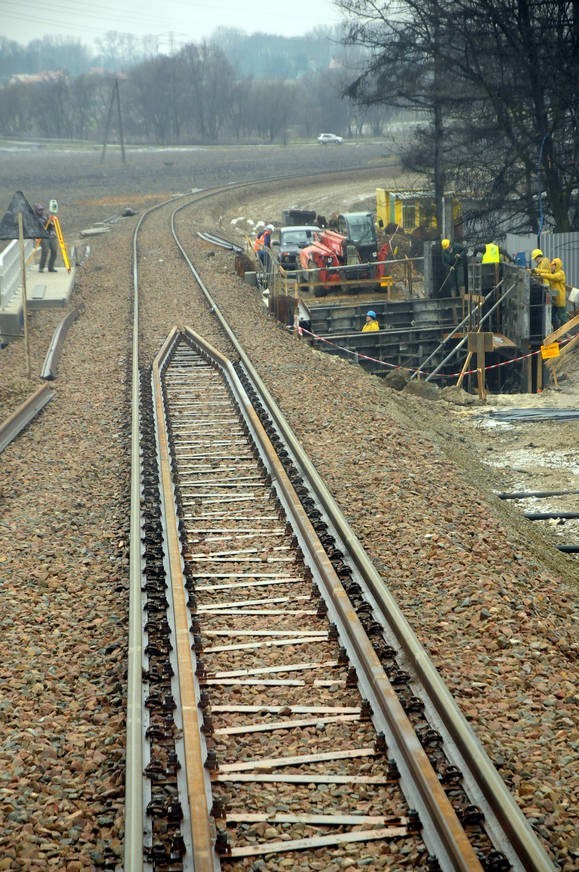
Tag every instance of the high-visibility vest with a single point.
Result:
(260, 240)
(492, 253)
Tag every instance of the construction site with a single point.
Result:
(492, 330)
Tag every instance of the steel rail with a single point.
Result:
(523, 495)
(508, 827)
(133, 847)
(134, 783)
(202, 837)
(221, 241)
(511, 831)
(53, 354)
(23, 415)
(446, 836)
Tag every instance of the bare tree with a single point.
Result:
(406, 69)
(205, 84)
(497, 82)
(522, 56)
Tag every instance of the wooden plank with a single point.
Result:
(255, 602)
(287, 709)
(283, 725)
(239, 613)
(317, 842)
(243, 584)
(255, 682)
(271, 643)
(554, 362)
(339, 820)
(562, 331)
(241, 777)
(298, 760)
(236, 557)
(214, 535)
(288, 634)
(272, 670)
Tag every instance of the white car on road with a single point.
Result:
(325, 138)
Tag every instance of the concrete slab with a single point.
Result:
(43, 290)
(48, 289)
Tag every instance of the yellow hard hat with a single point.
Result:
(536, 252)
(557, 262)
(445, 243)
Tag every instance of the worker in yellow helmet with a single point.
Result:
(540, 264)
(454, 257)
(556, 279)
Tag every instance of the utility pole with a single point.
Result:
(115, 98)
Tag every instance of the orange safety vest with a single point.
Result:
(260, 240)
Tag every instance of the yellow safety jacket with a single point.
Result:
(492, 253)
(557, 285)
(370, 327)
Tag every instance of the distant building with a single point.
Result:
(37, 78)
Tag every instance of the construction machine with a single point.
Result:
(337, 259)
(320, 268)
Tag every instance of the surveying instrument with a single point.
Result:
(53, 219)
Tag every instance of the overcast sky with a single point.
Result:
(173, 22)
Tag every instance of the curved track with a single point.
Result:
(233, 540)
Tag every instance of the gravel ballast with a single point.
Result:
(489, 597)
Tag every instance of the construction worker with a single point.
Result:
(263, 242)
(491, 270)
(540, 267)
(491, 252)
(539, 261)
(454, 257)
(48, 246)
(556, 280)
(371, 325)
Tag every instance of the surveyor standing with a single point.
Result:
(48, 245)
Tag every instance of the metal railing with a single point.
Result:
(404, 271)
(10, 271)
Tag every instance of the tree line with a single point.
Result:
(197, 95)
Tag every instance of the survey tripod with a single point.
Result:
(53, 219)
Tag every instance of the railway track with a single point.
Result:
(280, 706)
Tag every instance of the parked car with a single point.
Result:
(325, 138)
(291, 241)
